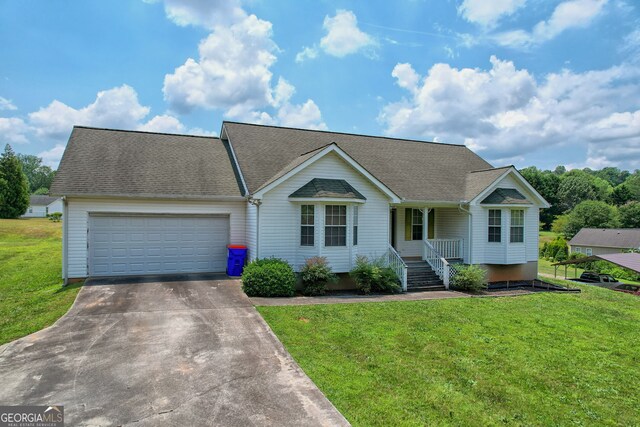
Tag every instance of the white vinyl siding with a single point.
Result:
(36, 212)
(280, 218)
(78, 221)
(505, 252)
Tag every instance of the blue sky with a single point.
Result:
(524, 82)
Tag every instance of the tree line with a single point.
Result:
(605, 198)
(20, 176)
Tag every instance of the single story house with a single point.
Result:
(599, 241)
(41, 206)
(153, 203)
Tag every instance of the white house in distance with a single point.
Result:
(41, 206)
(150, 203)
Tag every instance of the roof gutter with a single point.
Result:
(157, 197)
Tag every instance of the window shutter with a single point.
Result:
(407, 224)
(431, 231)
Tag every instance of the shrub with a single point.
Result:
(470, 278)
(374, 276)
(315, 275)
(268, 277)
(55, 216)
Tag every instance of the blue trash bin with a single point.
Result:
(235, 260)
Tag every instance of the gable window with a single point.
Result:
(335, 230)
(495, 225)
(355, 226)
(307, 222)
(517, 226)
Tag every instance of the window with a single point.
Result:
(517, 226)
(355, 226)
(495, 225)
(335, 230)
(577, 250)
(307, 229)
(30, 210)
(413, 224)
(588, 251)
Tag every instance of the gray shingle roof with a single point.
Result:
(477, 181)
(505, 196)
(37, 200)
(414, 170)
(329, 188)
(108, 162)
(623, 238)
(627, 260)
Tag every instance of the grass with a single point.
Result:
(31, 292)
(543, 359)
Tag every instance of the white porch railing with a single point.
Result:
(394, 260)
(438, 263)
(447, 248)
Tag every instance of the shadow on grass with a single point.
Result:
(69, 287)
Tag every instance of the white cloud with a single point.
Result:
(202, 13)
(117, 107)
(344, 37)
(233, 69)
(6, 104)
(163, 124)
(506, 112)
(52, 157)
(13, 130)
(567, 15)
(233, 74)
(307, 53)
(488, 13)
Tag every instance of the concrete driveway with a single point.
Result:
(182, 351)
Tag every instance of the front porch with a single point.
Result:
(425, 241)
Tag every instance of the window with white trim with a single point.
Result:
(588, 251)
(355, 225)
(417, 224)
(307, 225)
(335, 229)
(495, 225)
(517, 226)
(577, 250)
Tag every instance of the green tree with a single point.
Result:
(14, 187)
(633, 184)
(546, 183)
(41, 191)
(574, 189)
(591, 214)
(630, 215)
(560, 170)
(38, 175)
(613, 176)
(620, 195)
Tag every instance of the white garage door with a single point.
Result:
(132, 245)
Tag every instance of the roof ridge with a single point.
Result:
(492, 169)
(145, 132)
(349, 133)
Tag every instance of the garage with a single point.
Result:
(123, 245)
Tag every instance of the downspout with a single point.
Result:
(469, 231)
(65, 240)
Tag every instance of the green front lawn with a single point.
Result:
(543, 359)
(31, 292)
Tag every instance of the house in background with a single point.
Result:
(41, 206)
(599, 241)
(151, 203)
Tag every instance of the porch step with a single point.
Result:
(421, 277)
(423, 288)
